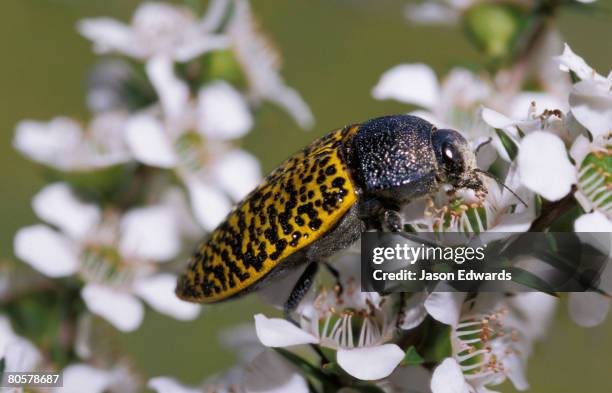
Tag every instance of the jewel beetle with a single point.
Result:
(319, 201)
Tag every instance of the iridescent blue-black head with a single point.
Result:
(402, 157)
(456, 162)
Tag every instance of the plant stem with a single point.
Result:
(552, 211)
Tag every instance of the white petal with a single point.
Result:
(514, 367)
(571, 61)
(214, 15)
(593, 222)
(445, 306)
(415, 311)
(209, 204)
(588, 309)
(411, 83)
(591, 104)
(537, 310)
(290, 100)
(47, 142)
(149, 142)
(122, 310)
(580, 149)
(57, 204)
(150, 233)
(270, 373)
(169, 385)
(515, 222)
(172, 91)
(21, 355)
(82, 378)
(108, 35)
(370, 363)
(158, 292)
(596, 229)
(487, 152)
(500, 121)
(496, 119)
(46, 251)
(448, 378)
(223, 112)
(277, 332)
(237, 172)
(544, 167)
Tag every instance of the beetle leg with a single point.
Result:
(334, 272)
(299, 291)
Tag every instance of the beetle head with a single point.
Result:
(397, 159)
(456, 162)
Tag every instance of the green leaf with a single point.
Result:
(509, 145)
(531, 280)
(2, 366)
(412, 357)
(437, 345)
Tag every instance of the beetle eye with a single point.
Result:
(448, 152)
(452, 158)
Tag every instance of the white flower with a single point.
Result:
(17, 353)
(194, 139)
(491, 342)
(63, 144)
(117, 257)
(157, 30)
(591, 98)
(543, 162)
(261, 65)
(359, 326)
(267, 373)
(499, 211)
(553, 119)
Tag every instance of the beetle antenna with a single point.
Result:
(492, 176)
(482, 144)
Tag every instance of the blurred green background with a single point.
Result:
(334, 53)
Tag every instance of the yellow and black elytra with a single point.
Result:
(320, 200)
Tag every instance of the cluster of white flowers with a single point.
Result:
(169, 109)
(163, 147)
